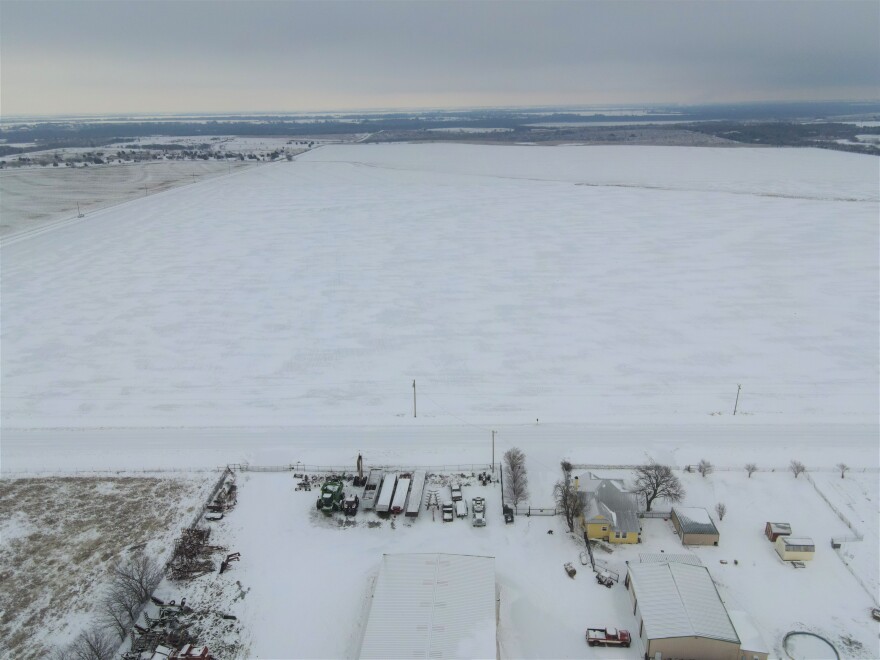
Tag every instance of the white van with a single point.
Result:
(461, 509)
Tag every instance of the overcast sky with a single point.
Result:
(149, 56)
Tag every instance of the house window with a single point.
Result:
(604, 529)
(617, 535)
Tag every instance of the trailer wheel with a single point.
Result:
(318, 504)
(626, 646)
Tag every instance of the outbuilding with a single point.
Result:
(791, 548)
(694, 525)
(679, 613)
(773, 530)
(433, 606)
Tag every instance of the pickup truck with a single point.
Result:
(608, 637)
(456, 492)
(448, 512)
(479, 510)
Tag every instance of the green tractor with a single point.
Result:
(332, 495)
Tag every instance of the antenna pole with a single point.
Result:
(493, 452)
(738, 388)
(414, 399)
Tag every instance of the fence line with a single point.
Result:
(535, 511)
(348, 469)
(105, 471)
(837, 511)
(654, 514)
(716, 468)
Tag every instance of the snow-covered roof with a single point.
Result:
(680, 600)
(780, 528)
(796, 540)
(694, 520)
(666, 557)
(750, 638)
(432, 606)
(618, 506)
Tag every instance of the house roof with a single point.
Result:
(694, 520)
(606, 497)
(780, 528)
(680, 600)
(432, 606)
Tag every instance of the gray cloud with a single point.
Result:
(61, 57)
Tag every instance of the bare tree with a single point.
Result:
(751, 468)
(655, 481)
(90, 645)
(843, 468)
(120, 608)
(797, 468)
(516, 481)
(705, 467)
(566, 496)
(721, 510)
(140, 575)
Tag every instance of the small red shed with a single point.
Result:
(773, 530)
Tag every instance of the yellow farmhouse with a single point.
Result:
(611, 513)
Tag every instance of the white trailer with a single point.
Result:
(416, 493)
(371, 490)
(386, 494)
(398, 505)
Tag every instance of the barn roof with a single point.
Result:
(680, 600)
(432, 606)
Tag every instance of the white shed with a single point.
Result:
(795, 548)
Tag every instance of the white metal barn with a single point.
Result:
(432, 606)
(680, 613)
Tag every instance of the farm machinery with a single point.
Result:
(332, 496)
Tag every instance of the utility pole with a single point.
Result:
(493, 452)
(414, 398)
(738, 388)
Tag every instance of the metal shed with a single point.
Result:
(694, 525)
(773, 530)
(432, 606)
(792, 548)
(680, 613)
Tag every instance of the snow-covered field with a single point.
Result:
(314, 292)
(32, 198)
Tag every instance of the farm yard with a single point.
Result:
(299, 568)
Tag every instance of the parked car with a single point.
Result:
(461, 509)
(456, 491)
(479, 519)
(448, 512)
(508, 514)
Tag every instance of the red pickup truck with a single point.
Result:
(608, 637)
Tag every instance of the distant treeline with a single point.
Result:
(789, 134)
(779, 124)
